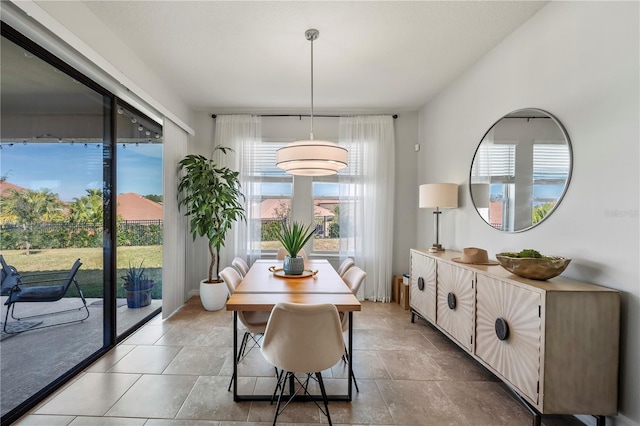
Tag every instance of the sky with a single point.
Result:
(70, 170)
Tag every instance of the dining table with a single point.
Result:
(265, 285)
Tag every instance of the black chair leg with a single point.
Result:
(324, 396)
(278, 384)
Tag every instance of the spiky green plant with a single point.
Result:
(135, 278)
(295, 236)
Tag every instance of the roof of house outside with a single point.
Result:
(132, 206)
(269, 208)
(5, 186)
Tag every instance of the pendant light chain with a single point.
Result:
(311, 35)
(311, 135)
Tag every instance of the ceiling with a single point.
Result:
(225, 56)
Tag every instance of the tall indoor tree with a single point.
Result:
(213, 199)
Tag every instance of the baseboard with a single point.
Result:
(192, 293)
(618, 420)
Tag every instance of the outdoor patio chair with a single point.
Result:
(9, 277)
(42, 287)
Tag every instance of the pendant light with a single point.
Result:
(311, 157)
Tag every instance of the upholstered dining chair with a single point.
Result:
(345, 265)
(282, 253)
(240, 265)
(303, 338)
(353, 277)
(253, 323)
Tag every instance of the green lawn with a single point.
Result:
(90, 275)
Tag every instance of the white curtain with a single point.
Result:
(174, 247)
(366, 200)
(241, 133)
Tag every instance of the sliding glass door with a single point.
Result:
(139, 217)
(80, 175)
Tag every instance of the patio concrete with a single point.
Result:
(32, 359)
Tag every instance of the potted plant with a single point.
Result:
(211, 195)
(137, 286)
(293, 238)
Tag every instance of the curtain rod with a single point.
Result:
(299, 115)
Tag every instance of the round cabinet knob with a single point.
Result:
(420, 283)
(451, 300)
(502, 329)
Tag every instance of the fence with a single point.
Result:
(76, 235)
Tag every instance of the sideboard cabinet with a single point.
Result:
(555, 343)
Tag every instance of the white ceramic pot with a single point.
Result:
(213, 295)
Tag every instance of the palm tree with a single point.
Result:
(87, 209)
(31, 208)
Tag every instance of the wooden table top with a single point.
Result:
(260, 290)
(260, 280)
(266, 301)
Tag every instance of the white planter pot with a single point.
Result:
(213, 295)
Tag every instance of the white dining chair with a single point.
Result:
(345, 265)
(306, 339)
(353, 277)
(240, 265)
(254, 323)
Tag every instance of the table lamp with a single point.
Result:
(438, 195)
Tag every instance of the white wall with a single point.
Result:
(579, 61)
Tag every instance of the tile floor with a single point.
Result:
(176, 372)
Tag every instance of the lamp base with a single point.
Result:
(436, 248)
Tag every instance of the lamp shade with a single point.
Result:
(438, 195)
(311, 158)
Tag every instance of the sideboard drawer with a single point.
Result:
(423, 285)
(454, 311)
(508, 333)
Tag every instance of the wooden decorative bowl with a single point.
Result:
(534, 268)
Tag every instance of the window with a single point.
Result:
(326, 214)
(269, 191)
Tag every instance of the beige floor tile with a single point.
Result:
(181, 422)
(219, 336)
(210, 400)
(367, 365)
(92, 395)
(183, 335)
(146, 359)
(458, 365)
(485, 404)
(107, 421)
(154, 396)
(44, 420)
(420, 403)
(412, 365)
(200, 361)
(295, 412)
(147, 335)
(253, 364)
(107, 361)
(401, 340)
(367, 406)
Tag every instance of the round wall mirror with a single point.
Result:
(521, 170)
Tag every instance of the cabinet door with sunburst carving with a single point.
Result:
(455, 302)
(423, 285)
(508, 333)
